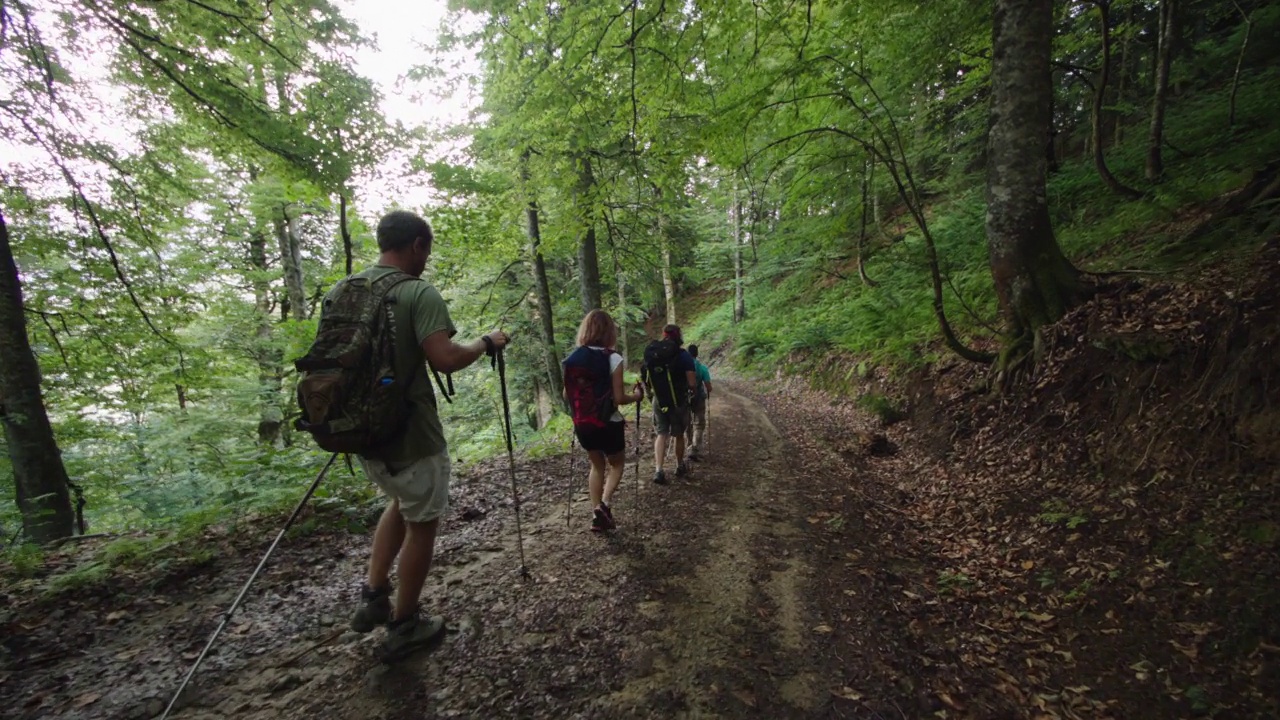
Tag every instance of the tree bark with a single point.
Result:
(291, 263)
(345, 230)
(1166, 39)
(668, 273)
(867, 168)
(1235, 77)
(1099, 107)
(739, 292)
(1034, 281)
(40, 479)
(1122, 82)
(268, 359)
(588, 259)
(621, 316)
(542, 293)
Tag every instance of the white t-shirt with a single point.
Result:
(615, 361)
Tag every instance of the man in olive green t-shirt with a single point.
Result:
(414, 470)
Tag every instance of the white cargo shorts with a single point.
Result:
(422, 488)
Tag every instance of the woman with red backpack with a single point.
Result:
(593, 388)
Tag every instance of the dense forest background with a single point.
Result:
(789, 180)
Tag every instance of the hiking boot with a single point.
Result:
(608, 517)
(660, 477)
(407, 636)
(375, 609)
(693, 456)
(682, 469)
(599, 521)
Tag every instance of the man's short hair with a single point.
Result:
(693, 350)
(399, 228)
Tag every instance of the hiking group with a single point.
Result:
(365, 390)
(676, 383)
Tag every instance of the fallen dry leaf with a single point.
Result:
(86, 699)
(847, 693)
(823, 629)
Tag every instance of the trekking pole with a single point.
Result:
(226, 617)
(499, 361)
(638, 404)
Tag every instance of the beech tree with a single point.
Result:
(1034, 281)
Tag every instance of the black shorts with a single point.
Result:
(610, 439)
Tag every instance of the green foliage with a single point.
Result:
(26, 560)
(553, 439)
(952, 582)
(170, 276)
(1058, 512)
(882, 407)
(89, 575)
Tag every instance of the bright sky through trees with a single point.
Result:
(404, 32)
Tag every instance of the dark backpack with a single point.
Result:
(589, 385)
(350, 397)
(662, 373)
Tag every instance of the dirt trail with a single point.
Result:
(700, 605)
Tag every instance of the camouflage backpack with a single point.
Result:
(350, 397)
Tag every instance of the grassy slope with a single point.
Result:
(807, 312)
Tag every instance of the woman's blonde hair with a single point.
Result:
(598, 329)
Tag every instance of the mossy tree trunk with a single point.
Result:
(1166, 34)
(1097, 140)
(588, 259)
(42, 487)
(1035, 282)
(542, 292)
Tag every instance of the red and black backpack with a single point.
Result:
(589, 385)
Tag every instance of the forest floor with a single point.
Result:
(1103, 544)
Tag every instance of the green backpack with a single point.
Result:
(350, 397)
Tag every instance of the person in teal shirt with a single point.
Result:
(698, 408)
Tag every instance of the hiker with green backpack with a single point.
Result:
(365, 390)
(593, 389)
(669, 379)
(698, 406)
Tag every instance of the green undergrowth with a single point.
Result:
(185, 542)
(802, 311)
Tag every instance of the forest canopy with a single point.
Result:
(900, 182)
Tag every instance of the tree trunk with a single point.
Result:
(345, 230)
(40, 479)
(668, 273)
(1099, 108)
(268, 359)
(867, 167)
(739, 292)
(291, 263)
(542, 293)
(1166, 38)
(1034, 281)
(1235, 77)
(621, 315)
(1122, 82)
(588, 260)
